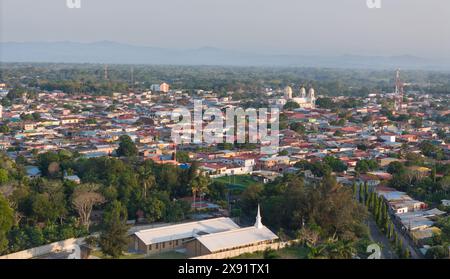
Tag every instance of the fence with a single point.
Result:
(43, 250)
(252, 249)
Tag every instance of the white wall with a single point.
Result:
(240, 251)
(64, 245)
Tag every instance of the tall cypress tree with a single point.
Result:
(366, 190)
(391, 230)
(366, 196)
(379, 212)
(386, 216)
(373, 201)
(395, 238)
(361, 194)
(375, 208)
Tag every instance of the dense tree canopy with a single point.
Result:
(6, 222)
(113, 238)
(127, 147)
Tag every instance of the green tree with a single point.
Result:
(366, 191)
(437, 252)
(3, 176)
(390, 231)
(21, 160)
(127, 148)
(154, 209)
(183, 157)
(430, 150)
(298, 127)
(395, 240)
(385, 218)
(199, 185)
(91, 121)
(6, 222)
(364, 165)
(270, 254)
(361, 194)
(396, 168)
(48, 201)
(326, 103)
(354, 189)
(291, 106)
(335, 163)
(146, 179)
(113, 236)
(48, 164)
(4, 129)
(218, 191)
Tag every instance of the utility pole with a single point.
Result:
(106, 72)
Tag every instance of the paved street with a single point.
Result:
(377, 236)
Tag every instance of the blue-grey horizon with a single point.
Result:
(313, 27)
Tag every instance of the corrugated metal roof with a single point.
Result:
(186, 230)
(236, 238)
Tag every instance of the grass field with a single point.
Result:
(237, 181)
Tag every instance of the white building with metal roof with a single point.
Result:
(202, 237)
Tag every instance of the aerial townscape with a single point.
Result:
(89, 168)
(224, 139)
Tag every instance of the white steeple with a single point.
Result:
(258, 223)
(303, 92)
(312, 97)
(288, 92)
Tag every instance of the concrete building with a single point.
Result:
(231, 240)
(167, 238)
(303, 101)
(163, 87)
(202, 237)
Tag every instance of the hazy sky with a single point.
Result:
(331, 27)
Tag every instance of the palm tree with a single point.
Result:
(199, 185)
(194, 189)
(316, 252)
(344, 249)
(147, 180)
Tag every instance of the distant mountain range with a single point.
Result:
(117, 53)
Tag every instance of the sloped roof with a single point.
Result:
(185, 230)
(236, 238)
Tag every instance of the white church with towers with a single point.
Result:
(303, 100)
